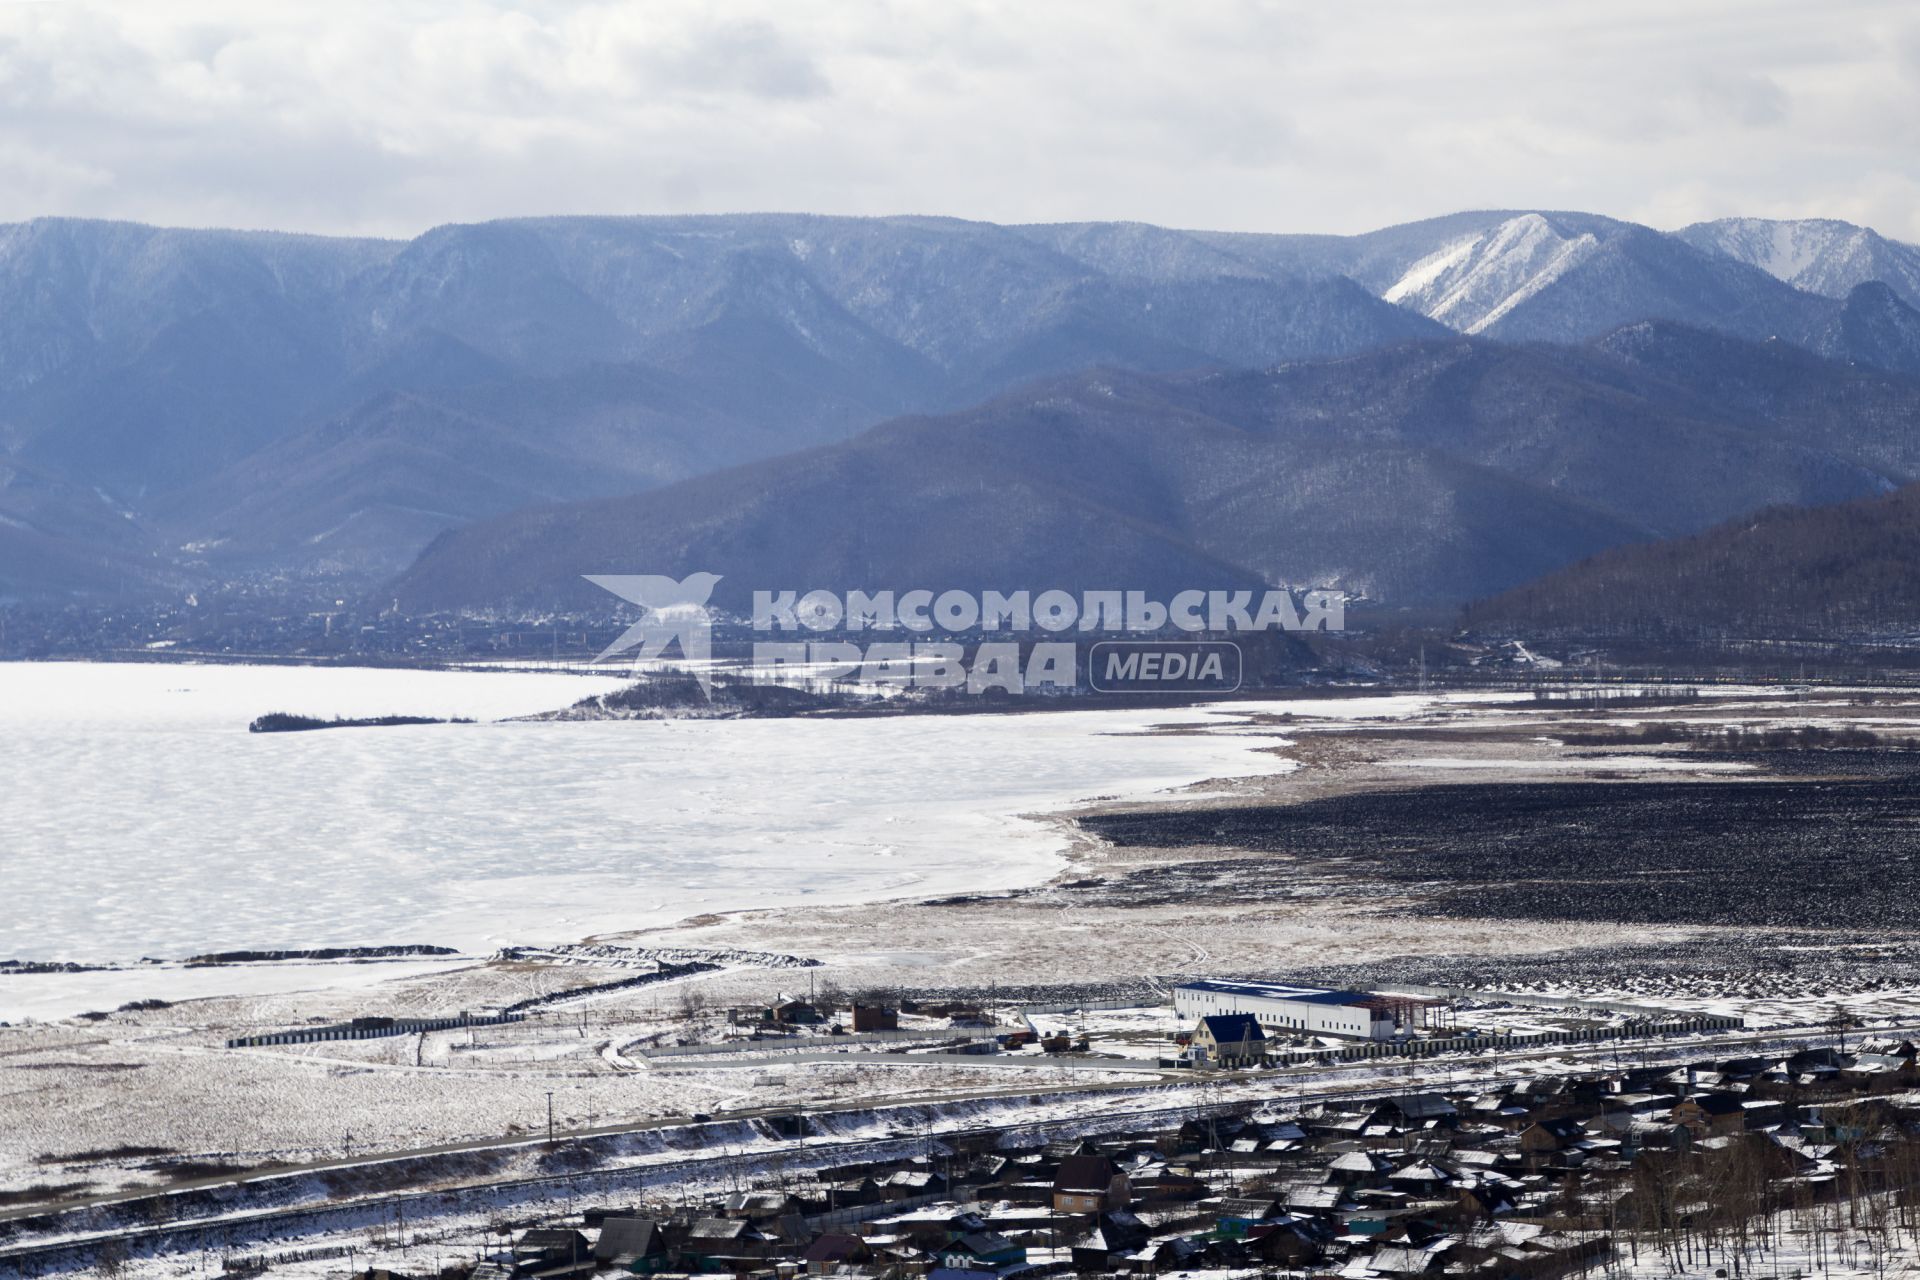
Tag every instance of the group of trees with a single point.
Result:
(1753, 1204)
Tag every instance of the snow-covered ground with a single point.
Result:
(62, 995)
(1391, 706)
(142, 819)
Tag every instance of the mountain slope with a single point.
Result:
(54, 538)
(1835, 572)
(1105, 481)
(216, 383)
(1522, 275)
(1819, 255)
(1431, 472)
(1876, 326)
(1474, 282)
(134, 357)
(1553, 278)
(241, 394)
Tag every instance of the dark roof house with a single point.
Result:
(628, 1242)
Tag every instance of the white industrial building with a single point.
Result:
(1275, 1006)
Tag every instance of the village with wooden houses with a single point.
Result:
(1222, 1127)
(1724, 1163)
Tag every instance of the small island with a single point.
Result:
(285, 722)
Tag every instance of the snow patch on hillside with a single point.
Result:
(1786, 250)
(1471, 284)
(1820, 255)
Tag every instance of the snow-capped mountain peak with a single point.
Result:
(1471, 283)
(1820, 255)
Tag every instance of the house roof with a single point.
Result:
(1421, 1172)
(1096, 1239)
(1423, 1106)
(1233, 1028)
(631, 1238)
(757, 1201)
(551, 1240)
(1277, 991)
(1355, 1162)
(1878, 1062)
(718, 1229)
(835, 1247)
(1561, 1128)
(1090, 1174)
(1249, 1206)
(1326, 1197)
(982, 1243)
(1403, 1261)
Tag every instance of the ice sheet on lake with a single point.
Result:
(141, 819)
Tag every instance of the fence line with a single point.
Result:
(1541, 1001)
(1031, 1061)
(784, 1044)
(1136, 1002)
(882, 1208)
(1511, 1040)
(372, 1029)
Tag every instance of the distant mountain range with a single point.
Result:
(1850, 571)
(1429, 472)
(179, 406)
(1818, 255)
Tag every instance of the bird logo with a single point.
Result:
(671, 612)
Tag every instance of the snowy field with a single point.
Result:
(142, 819)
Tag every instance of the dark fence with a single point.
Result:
(665, 973)
(373, 1029)
(1692, 1024)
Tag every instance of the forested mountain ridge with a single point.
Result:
(1432, 472)
(1849, 571)
(180, 406)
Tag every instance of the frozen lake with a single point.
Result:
(140, 818)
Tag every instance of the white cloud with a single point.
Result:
(389, 117)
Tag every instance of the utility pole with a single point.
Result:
(549, 1117)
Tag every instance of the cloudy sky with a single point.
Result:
(390, 117)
